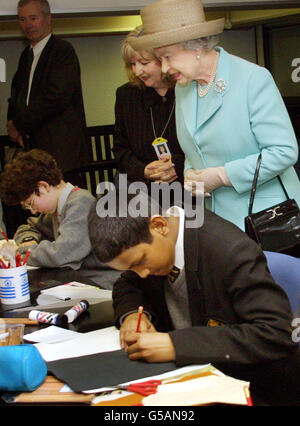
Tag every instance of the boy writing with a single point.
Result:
(58, 236)
(224, 306)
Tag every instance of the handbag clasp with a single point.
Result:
(274, 212)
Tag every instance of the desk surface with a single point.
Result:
(99, 314)
(284, 372)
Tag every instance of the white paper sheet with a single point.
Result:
(30, 268)
(204, 390)
(51, 334)
(103, 340)
(75, 290)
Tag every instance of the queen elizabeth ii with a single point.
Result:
(228, 111)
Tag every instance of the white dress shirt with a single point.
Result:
(37, 50)
(179, 248)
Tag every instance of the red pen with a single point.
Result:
(3, 265)
(248, 396)
(26, 257)
(140, 311)
(18, 260)
(4, 235)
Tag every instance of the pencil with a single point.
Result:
(4, 235)
(248, 396)
(25, 321)
(26, 257)
(140, 311)
(2, 264)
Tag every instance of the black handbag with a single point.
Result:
(276, 228)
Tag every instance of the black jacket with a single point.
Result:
(133, 133)
(228, 281)
(54, 119)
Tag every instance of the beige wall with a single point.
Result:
(102, 70)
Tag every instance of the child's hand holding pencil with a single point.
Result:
(133, 322)
(140, 313)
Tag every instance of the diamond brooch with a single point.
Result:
(220, 86)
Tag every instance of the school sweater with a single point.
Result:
(63, 238)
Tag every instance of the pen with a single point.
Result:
(140, 311)
(4, 235)
(26, 257)
(248, 396)
(18, 260)
(3, 265)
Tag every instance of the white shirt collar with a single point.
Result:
(179, 247)
(38, 48)
(63, 197)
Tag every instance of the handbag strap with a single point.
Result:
(254, 184)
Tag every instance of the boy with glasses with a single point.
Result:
(58, 236)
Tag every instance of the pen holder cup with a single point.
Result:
(14, 286)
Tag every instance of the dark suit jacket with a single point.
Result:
(54, 118)
(133, 133)
(227, 281)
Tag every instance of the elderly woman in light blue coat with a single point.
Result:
(228, 111)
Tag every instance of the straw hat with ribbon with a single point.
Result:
(168, 22)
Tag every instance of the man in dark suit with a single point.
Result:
(224, 307)
(46, 106)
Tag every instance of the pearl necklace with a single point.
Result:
(204, 92)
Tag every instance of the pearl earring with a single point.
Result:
(198, 57)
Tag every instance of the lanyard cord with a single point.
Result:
(152, 121)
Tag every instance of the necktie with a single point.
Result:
(21, 101)
(174, 274)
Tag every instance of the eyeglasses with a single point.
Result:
(29, 206)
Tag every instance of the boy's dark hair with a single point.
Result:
(21, 176)
(111, 234)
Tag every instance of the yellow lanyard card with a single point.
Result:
(159, 140)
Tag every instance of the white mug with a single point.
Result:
(14, 285)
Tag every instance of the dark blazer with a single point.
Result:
(54, 119)
(133, 133)
(227, 281)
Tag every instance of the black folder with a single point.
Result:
(104, 369)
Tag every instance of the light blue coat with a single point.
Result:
(230, 128)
